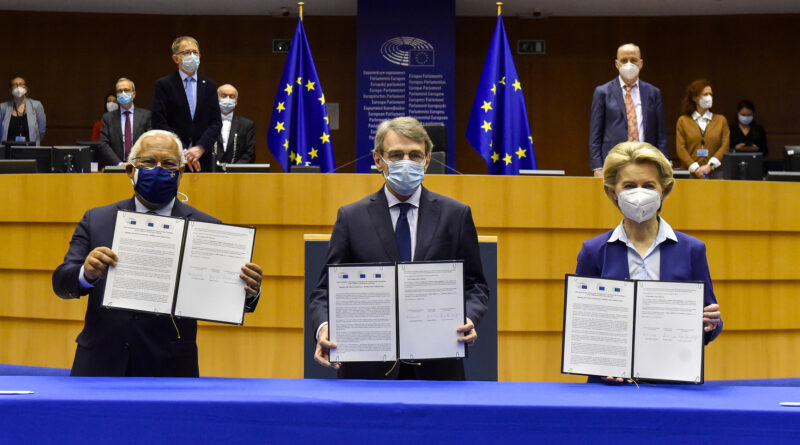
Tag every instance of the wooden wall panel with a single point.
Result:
(71, 60)
(751, 232)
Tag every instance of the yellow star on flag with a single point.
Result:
(279, 127)
(322, 100)
(503, 80)
(495, 156)
(288, 89)
(280, 106)
(326, 120)
(486, 126)
(517, 85)
(292, 156)
(521, 153)
(507, 158)
(494, 89)
(531, 139)
(310, 85)
(486, 106)
(286, 144)
(325, 137)
(298, 159)
(299, 80)
(313, 153)
(490, 143)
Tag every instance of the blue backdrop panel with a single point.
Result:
(482, 361)
(406, 67)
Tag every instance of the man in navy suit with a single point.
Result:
(400, 222)
(185, 103)
(125, 343)
(122, 127)
(622, 101)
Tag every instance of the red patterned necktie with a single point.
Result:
(630, 111)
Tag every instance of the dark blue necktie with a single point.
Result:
(402, 233)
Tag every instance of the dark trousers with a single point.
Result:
(442, 369)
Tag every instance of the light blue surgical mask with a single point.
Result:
(404, 176)
(227, 104)
(190, 63)
(124, 99)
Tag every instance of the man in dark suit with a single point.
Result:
(236, 143)
(126, 343)
(185, 103)
(401, 222)
(625, 109)
(122, 127)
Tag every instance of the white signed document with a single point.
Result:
(210, 287)
(382, 312)
(430, 304)
(633, 329)
(169, 265)
(361, 313)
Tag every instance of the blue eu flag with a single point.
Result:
(298, 131)
(498, 125)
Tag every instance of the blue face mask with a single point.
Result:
(156, 185)
(190, 63)
(404, 176)
(125, 99)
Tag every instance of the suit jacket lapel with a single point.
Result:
(116, 133)
(177, 83)
(232, 135)
(427, 222)
(181, 209)
(644, 98)
(667, 253)
(378, 209)
(615, 264)
(616, 93)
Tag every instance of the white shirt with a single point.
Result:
(411, 215)
(636, 97)
(140, 208)
(647, 267)
(226, 129)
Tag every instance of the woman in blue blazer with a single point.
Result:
(637, 178)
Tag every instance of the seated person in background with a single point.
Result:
(746, 134)
(701, 138)
(21, 118)
(637, 179)
(123, 126)
(126, 343)
(109, 104)
(403, 221)
(236, 143)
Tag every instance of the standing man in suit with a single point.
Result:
(122, 127)
(236, 143)
(625, 109)
(125, 343)
(400, 222)
(185, 103)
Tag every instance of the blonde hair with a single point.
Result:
(176, 44)
(639, 153)
(137, 147)
(404, 126)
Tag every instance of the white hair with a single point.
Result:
(168, 134)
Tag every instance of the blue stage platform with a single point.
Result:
(211, 410)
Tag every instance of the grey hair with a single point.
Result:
(168, 134)
(405, 126)
(121, 79)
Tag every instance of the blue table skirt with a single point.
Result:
(206, 410)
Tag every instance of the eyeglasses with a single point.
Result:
(397, 155)
(151, 163)
(189, 52)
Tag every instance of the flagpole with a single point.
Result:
(300, 5)
(499, 9)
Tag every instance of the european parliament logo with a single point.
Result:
(408, 51)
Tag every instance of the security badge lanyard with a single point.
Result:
(702, 152)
